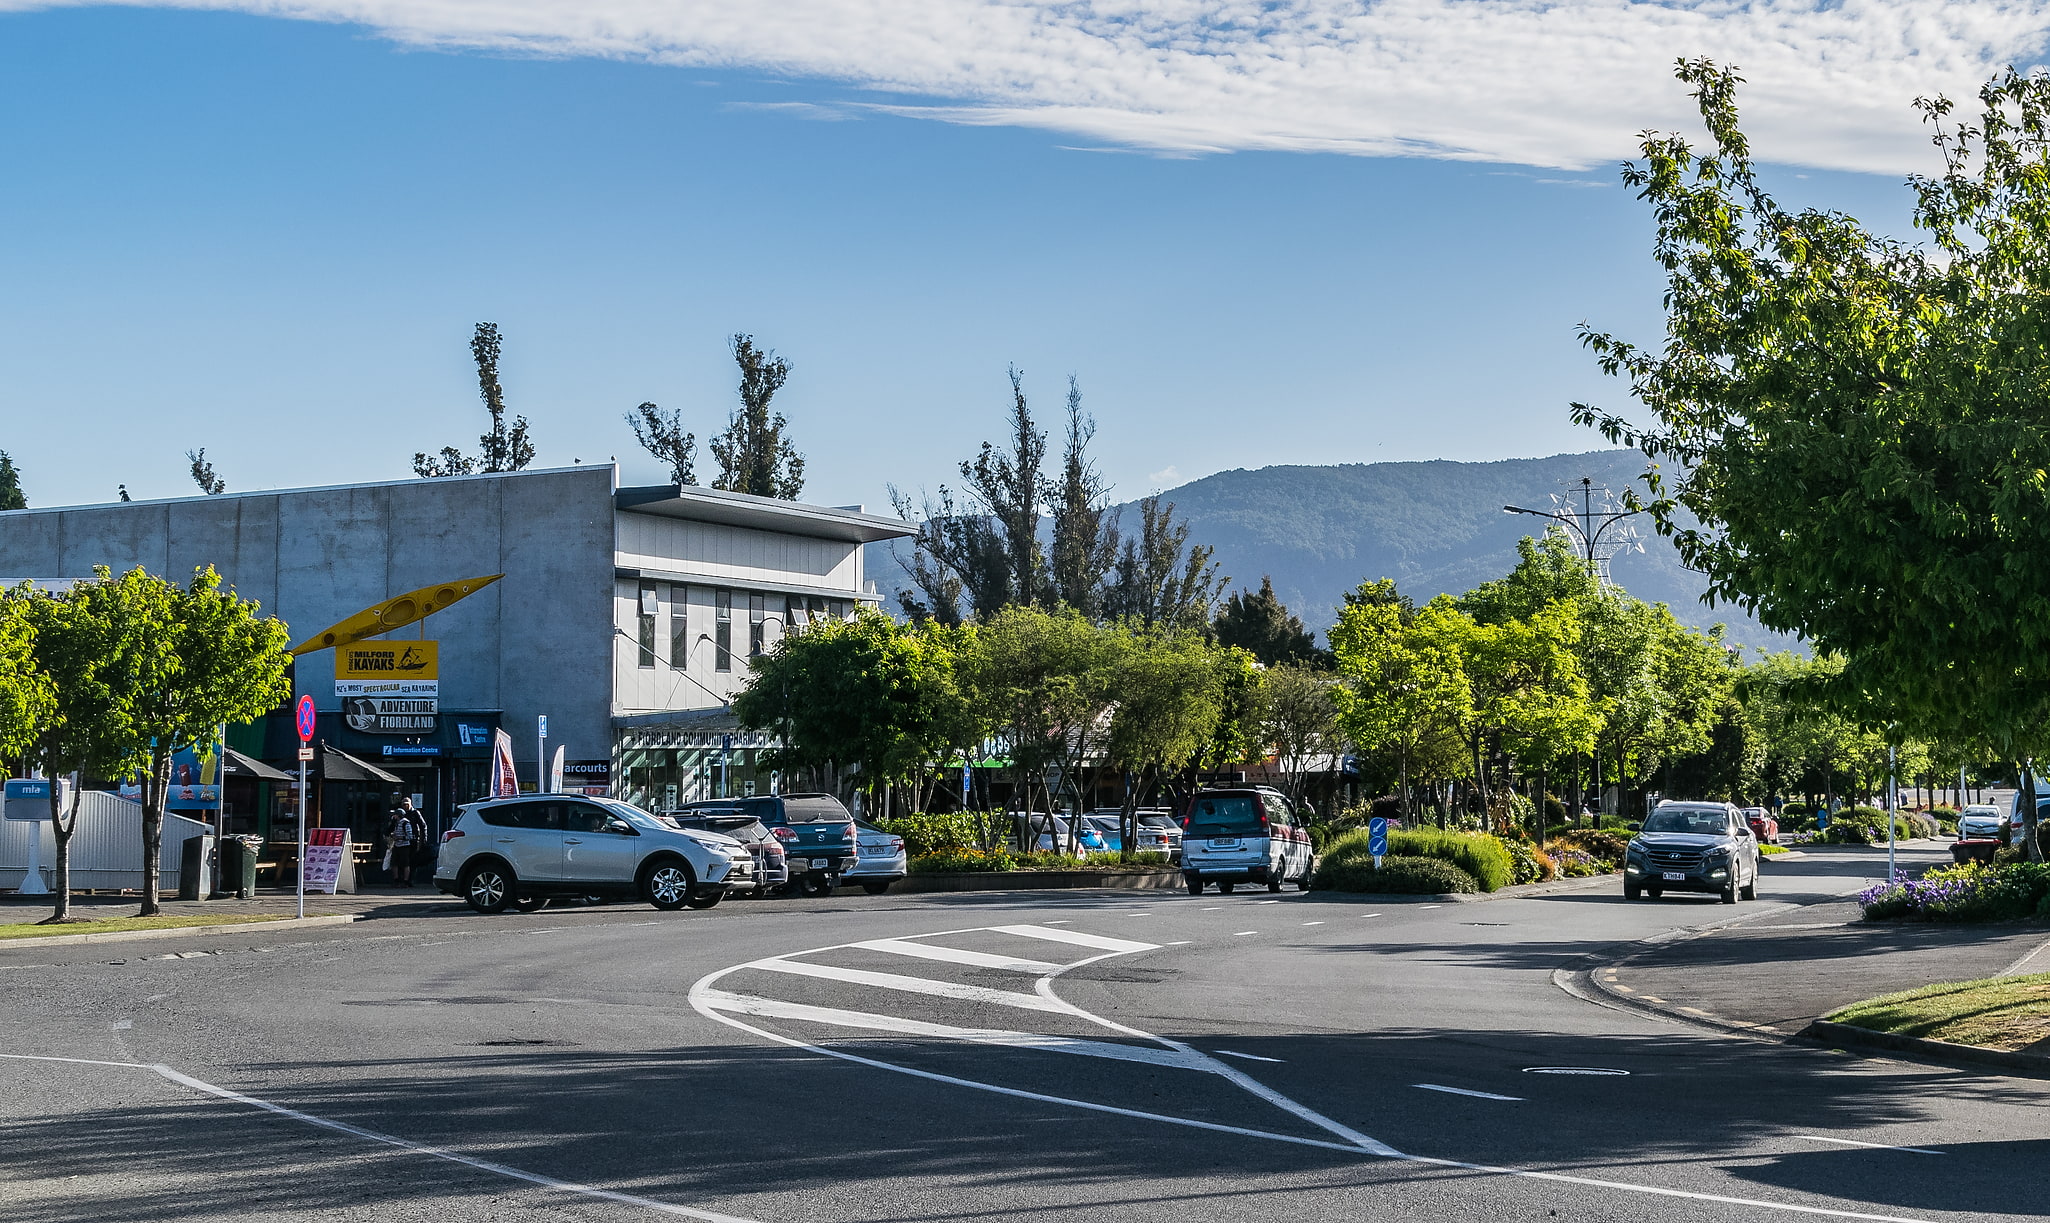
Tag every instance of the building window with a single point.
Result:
(757, 629)
(679, 627)
(722, 640)
(793, 613)
(647, 618)
(842, 609)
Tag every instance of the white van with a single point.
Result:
(1247, 835)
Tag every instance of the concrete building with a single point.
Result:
(626, 615)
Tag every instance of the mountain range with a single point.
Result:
(1436, 527)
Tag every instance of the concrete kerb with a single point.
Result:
(1863, 1040)
(123, 936)
(1516, 891)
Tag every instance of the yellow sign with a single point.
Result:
(388, 660)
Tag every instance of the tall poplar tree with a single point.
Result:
(754, 454)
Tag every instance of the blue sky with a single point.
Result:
(271, 238)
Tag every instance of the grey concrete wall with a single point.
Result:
(539, 641)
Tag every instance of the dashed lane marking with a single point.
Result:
(1250, 1057)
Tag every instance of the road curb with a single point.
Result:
(124, 936)
(1515, 891)
(1006, 881)
(1975, 1057)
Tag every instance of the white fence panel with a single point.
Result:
(106, 851)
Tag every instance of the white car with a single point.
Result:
(1244, 835)
(879, 859)
(521, 851)
(1978, 820)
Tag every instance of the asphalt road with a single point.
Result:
(1007, 1056)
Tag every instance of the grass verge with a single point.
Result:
(109, 924)
(2011, 1013)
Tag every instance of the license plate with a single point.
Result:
(1224, 844)
(1676, 876)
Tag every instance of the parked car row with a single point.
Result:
(523, 851)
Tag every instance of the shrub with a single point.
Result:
(1481, 857)
(1051, 861)
(1943, 811)
(1555, 811)
(1398, 874)
(1576, 864)
(1970, 892)
(962, 859)
(1604, 847)
(930, 834)
(1529, 866)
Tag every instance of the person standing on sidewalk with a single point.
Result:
(402, 837)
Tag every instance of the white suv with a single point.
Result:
(523, 850)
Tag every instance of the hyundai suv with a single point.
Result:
(1692, 847)
(522, 851)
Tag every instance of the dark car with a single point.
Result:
(1763, 826)
(772, 869)
(817, 832)
(1692, 847)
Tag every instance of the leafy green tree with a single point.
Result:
(662, 434)
(1525, 688)
(93, 645)
(754, 454)
(1299, 721)
(1404, 680)
(502, 447)
(1049, 680)
(1161, 579)
(1171, 696)
(864, 693)
(11, 497)
(204, 475)
(218, 661)
(1847, 429)
(1085, 533)
(1261, 624)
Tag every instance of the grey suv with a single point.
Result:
(1692, 847)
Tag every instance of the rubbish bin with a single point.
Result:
(238, 865)
(195, 867)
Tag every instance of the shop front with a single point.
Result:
(661, 761)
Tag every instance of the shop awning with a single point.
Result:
(235, 764)
(341, 766)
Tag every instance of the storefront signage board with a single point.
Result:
(324, 850)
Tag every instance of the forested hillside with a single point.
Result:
(1435, 527)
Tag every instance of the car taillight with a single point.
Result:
(783, 834)
(451, 835)
(849, 833)
(896, 845)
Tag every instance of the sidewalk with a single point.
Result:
(376, 901)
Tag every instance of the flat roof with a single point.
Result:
(696, 504)
(234, 494)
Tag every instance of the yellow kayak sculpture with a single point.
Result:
(394, 613)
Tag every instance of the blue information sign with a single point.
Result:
(1377, 836)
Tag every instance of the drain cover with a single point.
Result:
(1573, 1070)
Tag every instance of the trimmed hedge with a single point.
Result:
(1398, 874)
(1478, 856)
(951, 860)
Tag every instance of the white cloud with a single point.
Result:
(1168, 477)
(1555, 83)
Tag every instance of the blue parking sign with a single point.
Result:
(1377, 836)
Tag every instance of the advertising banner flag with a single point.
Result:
(503, 780)
(555, 770)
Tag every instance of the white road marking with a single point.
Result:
(703, 998)
(1212, 909)
(1251, 1057)
(1433, 906)
(156, 997)
(951, 955)
(910, 985)
(1266, 902)
(74, 1061)
(1370, 915)
(1180, 942)
(1076, 938)
(518, 1174)
(1461, 1091)
(1244, 933)
(1062, 922)
(122, 1025)
(1852, 1142)
(770, 1008)
(1313, 923)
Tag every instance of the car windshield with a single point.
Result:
(822, 809)
(1223, 815)
(1701, 821)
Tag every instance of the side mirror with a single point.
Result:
(620, 826)
(1745, 831)
(1633, 828)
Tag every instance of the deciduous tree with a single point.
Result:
(755, 456)
(662, 434)
(502, 447)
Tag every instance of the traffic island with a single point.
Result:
(1999, 1022)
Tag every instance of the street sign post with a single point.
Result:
(541, 754)
(306, 722)
(1377, 839)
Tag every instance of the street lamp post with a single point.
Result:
(1583, 525)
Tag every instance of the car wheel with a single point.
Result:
(1195, 884)
(1302, 883)
(816, 885)
(875, 887)
(1224, 889)
(1653, 892)
(705, 899)
(489, 887)
(1750, 891)
(1274, 882)
(1730, 893)
(1632, 891)
(531, 904)
(667, 883)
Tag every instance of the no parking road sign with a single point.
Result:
(1377, 839)
(306, 719)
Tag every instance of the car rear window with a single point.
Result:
(822, 809)
(1226, 815)
(1156, 821)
